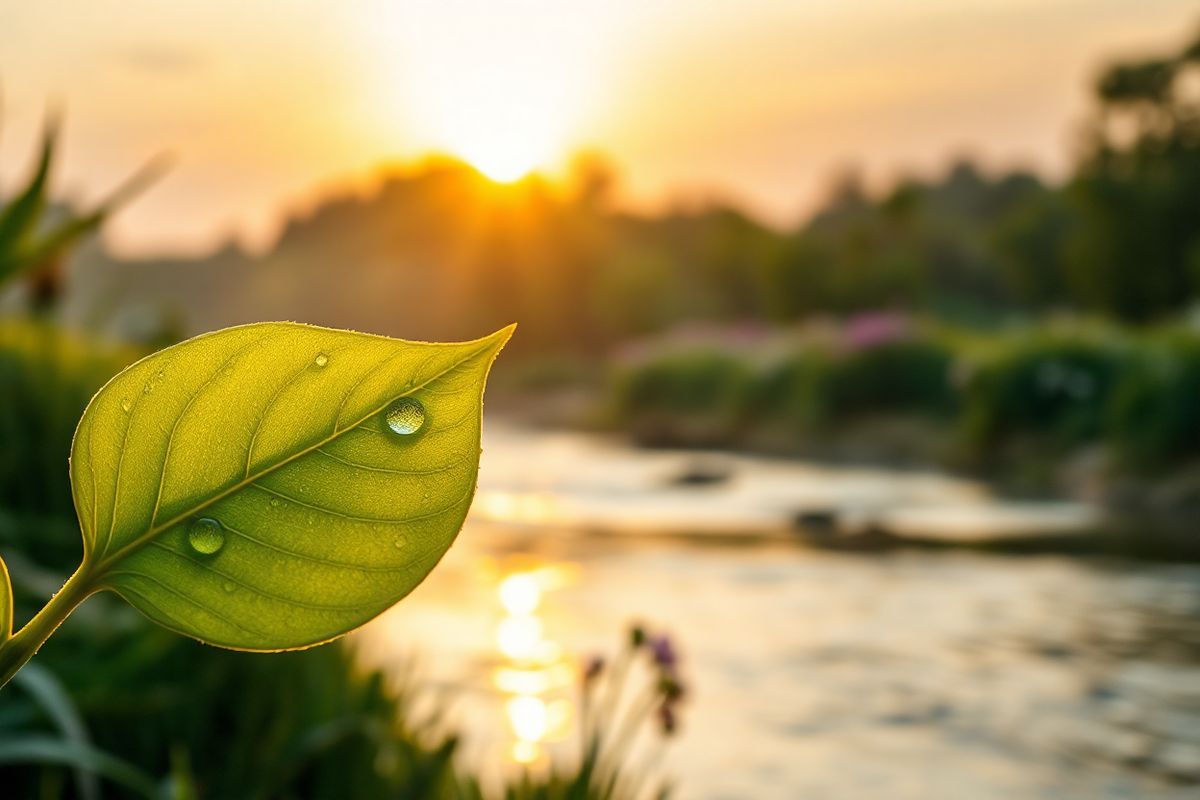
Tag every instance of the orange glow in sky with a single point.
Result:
(758, 101)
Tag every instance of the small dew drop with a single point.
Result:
(406, 416)
(321, 360)
(125, 404)
(206, 536)
(228, 586)
(399, 542)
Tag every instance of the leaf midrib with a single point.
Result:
(110, 558)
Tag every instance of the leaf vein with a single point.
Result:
(199, 390)
(355, 517)
(202, 606)
(389, 470)
(256, 589)
(315, 559)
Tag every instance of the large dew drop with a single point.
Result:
(406, 416)
(206, 536)
(321, 360)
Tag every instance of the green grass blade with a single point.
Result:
(19, 218)
(46, 750)
(50, 695)
(6, 603)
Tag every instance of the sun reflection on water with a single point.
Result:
(534, 677)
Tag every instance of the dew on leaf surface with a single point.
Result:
(406, 416)
(206, 536)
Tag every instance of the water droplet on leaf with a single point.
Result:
(228, 586)
(406, 416)
(206, 536)
(125, 404)
(321, 360)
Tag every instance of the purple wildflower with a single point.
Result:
(872, 329)
(663, 652)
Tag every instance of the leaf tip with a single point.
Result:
(500, 338)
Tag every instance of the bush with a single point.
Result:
(796, 392)
(1051, 388)
(1155, 413)
(691, 398)
(910, 376)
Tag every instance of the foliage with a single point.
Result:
(1153, 420)
(690, 398)
(1054, 387)
(47, 377)
(1136, 249)
(288, 725)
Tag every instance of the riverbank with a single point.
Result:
(600, 484)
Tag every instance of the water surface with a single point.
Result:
(910, 673)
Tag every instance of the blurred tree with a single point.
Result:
(1137, 191)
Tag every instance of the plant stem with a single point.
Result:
(18, 649)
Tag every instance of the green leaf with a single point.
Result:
(245, 487)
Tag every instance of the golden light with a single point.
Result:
(519, 637)
(520, 593)
(524, 752)
(529, 717)
(538, 680)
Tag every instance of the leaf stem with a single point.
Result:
(22, 645)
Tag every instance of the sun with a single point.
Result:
(504, 125)
(509, 94)
(504, 136)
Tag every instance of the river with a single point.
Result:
(910, 672)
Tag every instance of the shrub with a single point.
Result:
(690, 398)
(1053, 388)
(1155, 412)
(904, 376)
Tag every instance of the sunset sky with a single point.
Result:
(756, 101)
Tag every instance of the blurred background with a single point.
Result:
(849, 445)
